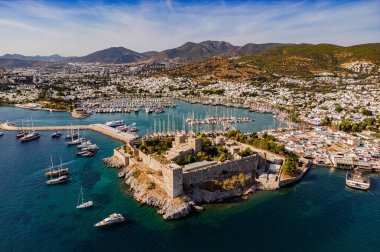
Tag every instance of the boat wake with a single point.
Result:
(374, 195)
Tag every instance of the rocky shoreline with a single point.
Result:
(179, 207)
(111, 162)
(169, 208)
(147, 190)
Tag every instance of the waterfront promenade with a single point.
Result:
(101, 128)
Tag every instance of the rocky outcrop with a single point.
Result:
(112, 163)
(169, 208)
(201, 195)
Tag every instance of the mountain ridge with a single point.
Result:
(189, 51)
(268, 56)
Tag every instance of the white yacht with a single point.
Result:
(115, 123)
(112, 219)
(357, 180)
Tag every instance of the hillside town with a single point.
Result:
(340, 112)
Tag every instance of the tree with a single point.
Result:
(245, 153)
(338, 108)
(326, 121)
(290, 165)
(366, 112)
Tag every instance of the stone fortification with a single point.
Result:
(244, 165)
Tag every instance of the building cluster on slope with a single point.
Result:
(325, 144)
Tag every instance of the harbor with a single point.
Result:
(126, 105)
(102, 186)
(49, 211)
(101, 128)
(52, 209)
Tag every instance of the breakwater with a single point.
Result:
(109, 131)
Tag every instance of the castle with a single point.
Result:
(174, 178)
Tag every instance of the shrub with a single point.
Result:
(290, 165)
(245, 153)
(151, 186)
(136, 174)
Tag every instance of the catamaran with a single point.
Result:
(81, 203)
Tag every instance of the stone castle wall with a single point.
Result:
(120, 155)
(150, 161)
(244, 165)
(173, 185)
(173, 179)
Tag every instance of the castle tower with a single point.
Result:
(196, 144)
(173, 179)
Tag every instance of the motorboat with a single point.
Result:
(76, 141)
(56, 134)
(357, 180)
(115, 124)
(84, 144)
(110, 220)
(86, 153)
(149, 110)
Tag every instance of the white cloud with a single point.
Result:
(33, 27)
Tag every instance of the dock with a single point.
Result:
(101, 128)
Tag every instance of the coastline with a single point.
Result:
(73, 113)
(76, 115)
(23, 106)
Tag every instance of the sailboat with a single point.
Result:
(60, 179)
(31, 135)
(60, 171)
(75, 141)
(22, 133)
(81, 203)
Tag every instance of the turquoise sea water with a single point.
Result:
(145, 122)
(318, 214)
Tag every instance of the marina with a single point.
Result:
(311, 199)
(126, 105)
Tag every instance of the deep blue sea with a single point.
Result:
(317, 214)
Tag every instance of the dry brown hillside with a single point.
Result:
(217, 68)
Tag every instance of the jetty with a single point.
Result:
(101, 128)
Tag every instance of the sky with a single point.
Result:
(76, 28)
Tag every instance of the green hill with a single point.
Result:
(306, 58)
